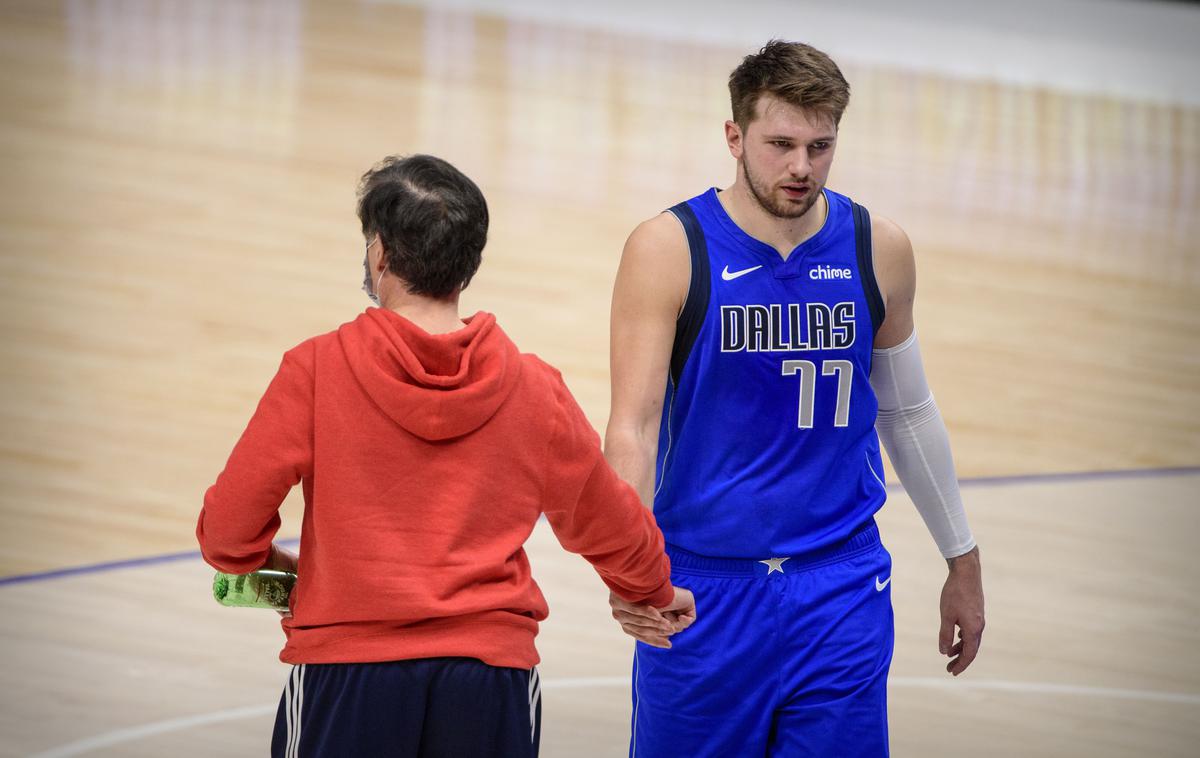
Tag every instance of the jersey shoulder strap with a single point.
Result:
(695, 305)
(866, 266)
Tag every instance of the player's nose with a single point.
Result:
(798, 165)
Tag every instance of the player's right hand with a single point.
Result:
(654, 626)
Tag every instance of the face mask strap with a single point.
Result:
(372, 292)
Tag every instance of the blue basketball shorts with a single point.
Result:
(426, 708)
(788, 657)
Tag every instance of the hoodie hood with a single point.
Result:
(436, 386)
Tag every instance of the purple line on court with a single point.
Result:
(97, 568)
(981, 481)
(1066, 476)
(1078, 476)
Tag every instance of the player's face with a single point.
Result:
(785, 155)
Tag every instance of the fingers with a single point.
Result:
(642, 619)
(281, 559)
(683, 601)
(651, 635)
(654, 626)
(946, 634)
(962, 607)
(965, 650)
(681, 612)
(680, 621)
(619, 605)
(654, 640)
(643, 624)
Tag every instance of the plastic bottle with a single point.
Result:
(258, 589)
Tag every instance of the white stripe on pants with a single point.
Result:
(535, 694)
(294, 697)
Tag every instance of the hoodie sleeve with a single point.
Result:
(597, 515)
(241, 510)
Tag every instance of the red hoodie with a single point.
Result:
(425, 462)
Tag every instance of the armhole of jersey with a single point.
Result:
(866, 267)
(695, 306)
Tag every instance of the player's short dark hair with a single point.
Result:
(431, 219)
(794, 72)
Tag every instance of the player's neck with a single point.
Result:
(783, 234)
(432, 315)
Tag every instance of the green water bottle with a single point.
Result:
(264, 588)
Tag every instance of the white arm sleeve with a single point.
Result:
(914, 435)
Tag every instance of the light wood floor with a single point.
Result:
(177, 209)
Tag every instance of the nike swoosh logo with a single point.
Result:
(729, 276)
(879, 586)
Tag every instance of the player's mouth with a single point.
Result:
(796, 191)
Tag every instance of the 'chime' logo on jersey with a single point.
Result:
(786, 328)
(830, 272)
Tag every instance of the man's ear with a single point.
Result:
(381, 261)
(733, 138)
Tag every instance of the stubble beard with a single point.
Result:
(765, 197)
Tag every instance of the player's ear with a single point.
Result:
(733, 138)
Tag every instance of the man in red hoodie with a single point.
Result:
(427, 447)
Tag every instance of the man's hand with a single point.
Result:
(281, 559)
(962, 606)
(654, 625)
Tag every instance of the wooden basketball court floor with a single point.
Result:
(177, 210)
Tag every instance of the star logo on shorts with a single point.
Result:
(773, 565)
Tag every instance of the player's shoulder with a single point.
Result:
(657, 236)
(656, 264)
(887, 236)
(893, 261)
(892, 250)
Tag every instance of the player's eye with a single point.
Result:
(820, 145)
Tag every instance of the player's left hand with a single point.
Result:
(962, 606)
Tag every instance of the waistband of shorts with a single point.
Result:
(862, 540)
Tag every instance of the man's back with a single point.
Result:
(427, 447)
(426, 460)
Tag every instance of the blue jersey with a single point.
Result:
(767, 445)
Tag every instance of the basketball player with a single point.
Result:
(762, 346)
(427, 446)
